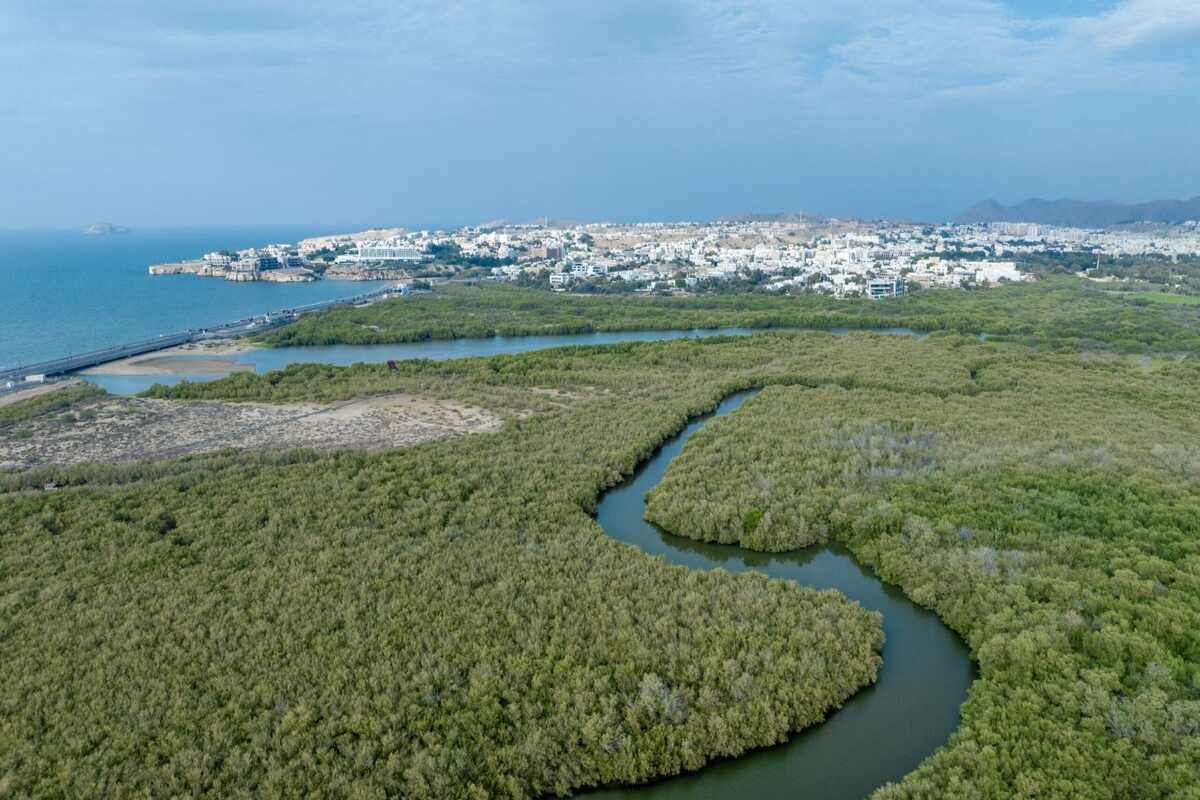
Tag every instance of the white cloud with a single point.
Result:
(1138, 22)
(926, 51)
(814, 56)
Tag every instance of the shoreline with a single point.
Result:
(214, 340)
(10, 398)
(197, 358)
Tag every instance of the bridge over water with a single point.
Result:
(228, 330)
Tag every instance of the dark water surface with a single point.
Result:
(881, 733)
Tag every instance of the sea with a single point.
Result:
(65, 292)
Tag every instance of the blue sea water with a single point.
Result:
(64, 292)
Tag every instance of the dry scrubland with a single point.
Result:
(446, 620)
(111, 429)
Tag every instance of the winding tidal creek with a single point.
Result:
(881, 733)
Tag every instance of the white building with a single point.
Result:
(388, 250)
(996, 271)
(878, 288)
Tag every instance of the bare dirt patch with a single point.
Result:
(128, 429)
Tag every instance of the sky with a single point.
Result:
(440, 113)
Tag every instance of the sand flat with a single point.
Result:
(201, 358)
(159, 364)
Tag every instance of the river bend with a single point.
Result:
(881, 733)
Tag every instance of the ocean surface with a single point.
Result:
(64, 292)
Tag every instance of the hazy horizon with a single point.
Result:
(439, 115)
(348, 225)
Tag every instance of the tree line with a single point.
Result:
(1063, 313)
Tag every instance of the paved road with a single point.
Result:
(229, 330)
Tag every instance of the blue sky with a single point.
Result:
(435, 113)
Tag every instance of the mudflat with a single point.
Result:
(188, 359)
(170, 365)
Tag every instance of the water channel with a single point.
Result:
(881, 733)
(268, 358)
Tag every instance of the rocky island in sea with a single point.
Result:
(105, 229)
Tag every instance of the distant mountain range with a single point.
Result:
(1082, 214)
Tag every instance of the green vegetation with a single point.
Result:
(442, 621)
(1165, 297)
(1056, 312)
(447, 621)
(452, 255)
(1047, 510)
(14, 414)
(1181, 275)
(1066, 262)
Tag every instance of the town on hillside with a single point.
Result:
(878, 259)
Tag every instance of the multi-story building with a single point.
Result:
(878, 288)
(389, 250)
